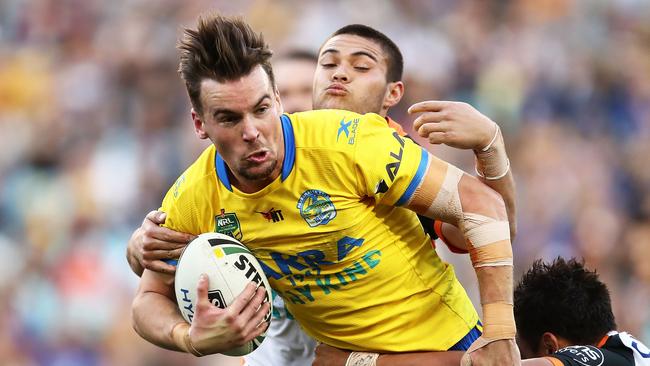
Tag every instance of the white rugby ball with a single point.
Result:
(230, 266)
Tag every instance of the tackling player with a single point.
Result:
(564, 318)
(479, 223)
(575, 325)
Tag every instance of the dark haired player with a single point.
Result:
(564, 318)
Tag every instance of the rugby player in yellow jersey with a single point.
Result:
(256, 157)
(361, 71)
(285, 343)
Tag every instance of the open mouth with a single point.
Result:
(258, 156)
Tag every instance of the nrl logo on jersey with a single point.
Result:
(316, 207)
(227, 223)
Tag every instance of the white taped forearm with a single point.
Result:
(482, 230)
(489, 241)
(492, 161)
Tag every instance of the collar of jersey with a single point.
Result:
(287, 164)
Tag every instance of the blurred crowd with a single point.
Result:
(95, 126)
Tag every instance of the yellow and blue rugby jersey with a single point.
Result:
(354, 268)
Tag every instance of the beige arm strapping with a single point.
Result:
(488, 239)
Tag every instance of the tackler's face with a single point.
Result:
(351, 75)
(242, 118)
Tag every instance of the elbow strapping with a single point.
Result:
(489, 240)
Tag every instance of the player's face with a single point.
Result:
(295, 79)
(242, 119)
(351, 74)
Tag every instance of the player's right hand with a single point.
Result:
(151, 243)
(216, 330)
(455, 124)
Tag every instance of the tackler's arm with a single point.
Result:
(448, 194)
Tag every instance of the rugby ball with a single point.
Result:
(230, 266)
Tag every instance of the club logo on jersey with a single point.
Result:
(349, 129)
(216, 298)
(584, 355)
(316, 207)
(272, 215)
(227, 223)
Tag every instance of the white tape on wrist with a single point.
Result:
(494, 138)
(496, 177)
(492, 162)
(362, 359)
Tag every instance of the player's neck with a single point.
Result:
(250, 186)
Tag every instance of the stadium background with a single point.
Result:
(94, 126)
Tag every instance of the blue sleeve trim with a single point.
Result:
(415, 182)
(289, 146)
(222, 172)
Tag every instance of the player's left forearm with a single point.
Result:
(496, 288)
(506, 188)
(493, 169)
(486, 231)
